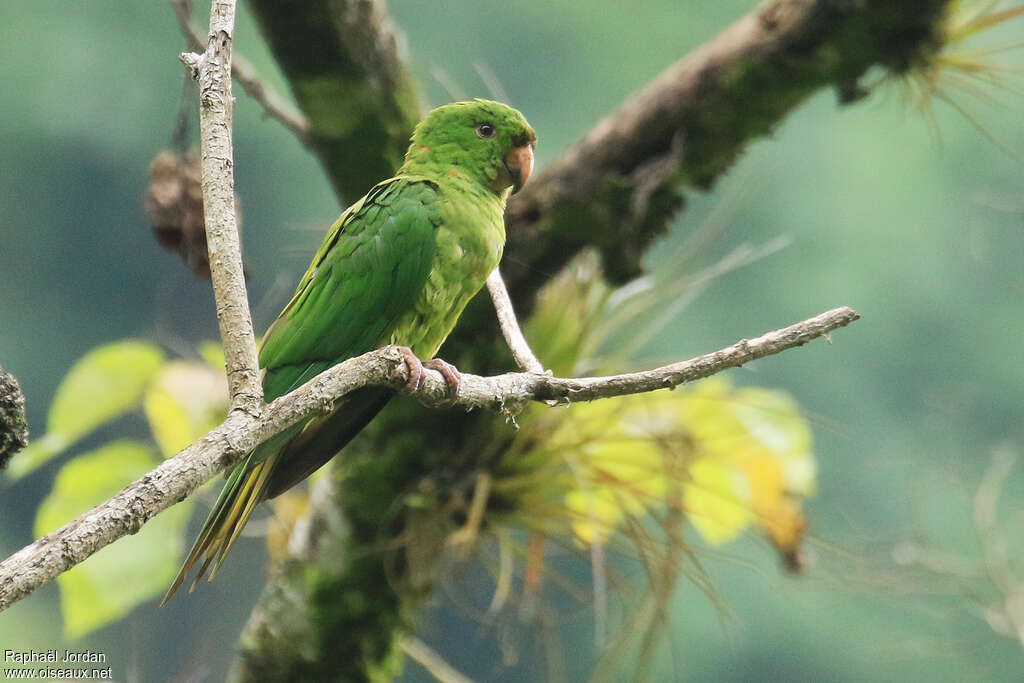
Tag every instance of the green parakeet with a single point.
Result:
(398, 267)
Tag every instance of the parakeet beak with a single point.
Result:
(519, 162)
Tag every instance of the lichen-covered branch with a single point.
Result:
(176, 478)
(213, 71)
(618, 188)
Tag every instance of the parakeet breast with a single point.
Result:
(470, 241)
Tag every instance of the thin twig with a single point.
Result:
(431, 660)
(517, 343)
(274, 105)
(175, 479)
(213, 70)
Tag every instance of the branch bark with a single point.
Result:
(213, 70)
(175, 479)
(514, 337)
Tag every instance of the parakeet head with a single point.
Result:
(488, 142)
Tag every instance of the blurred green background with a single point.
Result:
(917, 225)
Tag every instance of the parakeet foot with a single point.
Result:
(414, 366)
(451, 374)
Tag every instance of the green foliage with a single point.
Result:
(109, 584)
(106, 383)
(181, 400)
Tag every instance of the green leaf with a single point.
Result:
(103, 384)
(136, 568)
(184, 402)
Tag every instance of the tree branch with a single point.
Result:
(514, 337)
(175, 479)
(213, 70)
(618, 188)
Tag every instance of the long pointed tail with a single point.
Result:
(270, 469)
(246, 487)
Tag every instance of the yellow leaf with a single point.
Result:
(288, 508)
(716, 499)
(595, 512)
(185, 401)
(774, 419)
(103, 384)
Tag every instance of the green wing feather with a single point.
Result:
(367, 273)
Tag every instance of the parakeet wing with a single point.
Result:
(366, 274)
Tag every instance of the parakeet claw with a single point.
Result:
(451, 374)
(414, 366)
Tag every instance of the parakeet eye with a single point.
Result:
(486, 130)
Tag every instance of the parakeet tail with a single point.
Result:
(324, 437)
(271, 469)
(245, 488)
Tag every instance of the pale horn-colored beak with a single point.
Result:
(519, 162)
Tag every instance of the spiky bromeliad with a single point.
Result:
(397, 267)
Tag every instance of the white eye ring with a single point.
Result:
(486, 130)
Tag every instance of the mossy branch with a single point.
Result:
(618, 188)
(342, 61)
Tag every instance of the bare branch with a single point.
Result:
(432, 661)
(514, 337)
(176, 478)
(273, 103)
(213, 70)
